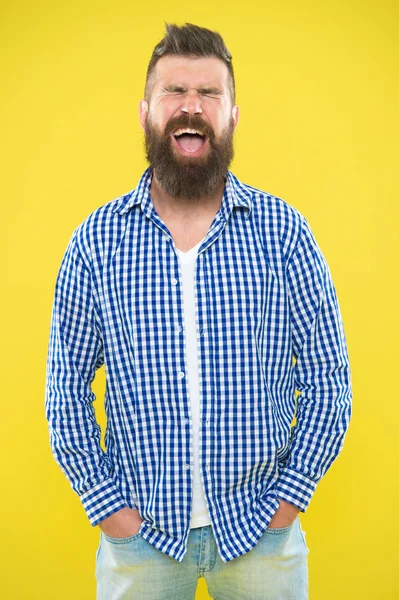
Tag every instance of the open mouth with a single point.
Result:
(189, 142)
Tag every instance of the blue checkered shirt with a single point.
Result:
(268, 326)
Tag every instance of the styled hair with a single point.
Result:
(190, 40)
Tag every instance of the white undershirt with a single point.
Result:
(200, 515)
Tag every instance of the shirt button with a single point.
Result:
(180, 375)
(187, 466)
(174, 281)
(179, 328)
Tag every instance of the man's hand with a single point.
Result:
(123, 523)
(284, 515)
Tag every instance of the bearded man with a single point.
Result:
(210, 304)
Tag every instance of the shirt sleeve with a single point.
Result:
(322, 373)
(75, 352)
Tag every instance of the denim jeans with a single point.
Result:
(275, 569)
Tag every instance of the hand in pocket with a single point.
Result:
(122, 524)
(285, 515)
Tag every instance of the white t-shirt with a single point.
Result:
(200, 515)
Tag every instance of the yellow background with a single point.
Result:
(317, 85)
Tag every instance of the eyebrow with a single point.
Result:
(202, 90)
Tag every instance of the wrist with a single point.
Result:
(288, 505)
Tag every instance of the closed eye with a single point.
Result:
(211, 92)
(174, 90)
(210, 95)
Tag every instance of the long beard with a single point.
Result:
(185, 177)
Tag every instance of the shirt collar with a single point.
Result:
(235, 194)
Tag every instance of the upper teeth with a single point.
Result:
(181, 131)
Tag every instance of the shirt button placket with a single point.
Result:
(203, 332)
(180, 374)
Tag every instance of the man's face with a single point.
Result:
(189, 93)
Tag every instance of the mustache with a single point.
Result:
(194, 122)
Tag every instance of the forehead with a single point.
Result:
(195, 72)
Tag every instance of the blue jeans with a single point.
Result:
(275, 569)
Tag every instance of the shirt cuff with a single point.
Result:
(295, 488)
(102, 500)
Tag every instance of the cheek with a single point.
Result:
(168, 109)
(218, 117)
(159, 115)
(219, 125)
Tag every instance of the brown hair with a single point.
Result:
(190, 40)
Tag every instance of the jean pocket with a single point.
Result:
(123, 540)
(279, 530)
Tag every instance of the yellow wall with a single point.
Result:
(317, 85)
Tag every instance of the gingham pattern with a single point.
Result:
(264, 297)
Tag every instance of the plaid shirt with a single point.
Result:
(268, 325)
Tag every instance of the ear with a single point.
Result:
(235, 113)
(143, 113)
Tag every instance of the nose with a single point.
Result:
(192, 102)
